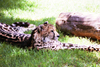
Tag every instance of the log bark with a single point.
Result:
(79, 24)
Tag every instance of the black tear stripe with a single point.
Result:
(53, 35)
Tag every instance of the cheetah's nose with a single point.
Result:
(58, 35)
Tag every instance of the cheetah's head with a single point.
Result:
(46, 32)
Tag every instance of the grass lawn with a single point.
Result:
(37, 12)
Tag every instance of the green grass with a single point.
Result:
(37, 12)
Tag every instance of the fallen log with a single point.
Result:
(79, 24)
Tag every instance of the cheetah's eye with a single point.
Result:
(51, 30)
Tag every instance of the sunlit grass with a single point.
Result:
(37, 12)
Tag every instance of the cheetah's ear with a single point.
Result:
(40, 27)
(46, 23)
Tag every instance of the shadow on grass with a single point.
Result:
(7, 20)
(17, 4)
(11, 20)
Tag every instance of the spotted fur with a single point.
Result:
(43, 36)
